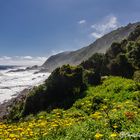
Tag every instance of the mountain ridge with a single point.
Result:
(99, 46)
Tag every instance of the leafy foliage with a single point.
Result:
(91, 78)
(121, 59)
(108, 111)
(137, 76)
(63, 87)
(94, 62)
(135, 35)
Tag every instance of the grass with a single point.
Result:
(106, 112)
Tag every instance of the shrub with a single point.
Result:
(136, 76)
(92, 78)
(96, 103)
(35, 101)
(121, 67)
(61, 89)
(134, 55)
(135, 34)
(94, 62)
(114, 50)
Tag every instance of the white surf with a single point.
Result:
(12, 83)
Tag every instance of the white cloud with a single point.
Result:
(82, 21)
(28, 57)
(6, 58)
(54, 52)
(22, 60)
(96, 35)
(41, 58)
(106, 25)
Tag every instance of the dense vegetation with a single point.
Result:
(121, 59)
(107, 111)
(84, 102)
(64, 86)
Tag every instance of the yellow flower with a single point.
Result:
(104, 107)
(20, 129)
(54, 125)
(136, 112)
(119, 106)
(115, 126)
(12, 136)
(106, 99)
(114, 110)
(41, 117)
(98, 136)
(105, 124)
(45, 134)
(127, 102)
(96, 115)
(113, 135)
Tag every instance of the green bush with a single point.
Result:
(136, 76)
(96, 103)
(94, 63)
(134, 55)
(121, 67)
(135, 34)
(36, 101)
(91, 78)
(61, 89)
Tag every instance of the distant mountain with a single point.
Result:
(100, 46)
(6, 67)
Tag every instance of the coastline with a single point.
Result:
(30, 79)
(6, 106)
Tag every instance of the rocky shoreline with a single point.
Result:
(6, 106)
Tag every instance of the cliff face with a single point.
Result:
(100, 46)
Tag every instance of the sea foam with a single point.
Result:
(12, 83)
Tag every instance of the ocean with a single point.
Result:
(13, 82)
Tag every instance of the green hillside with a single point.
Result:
(99, 46)
(106, 112)
(121, 59)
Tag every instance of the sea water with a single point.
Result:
(12, 83)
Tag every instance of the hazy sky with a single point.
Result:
(34, 29)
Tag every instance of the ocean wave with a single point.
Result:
(12, 83)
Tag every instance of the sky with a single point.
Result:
(32, 30)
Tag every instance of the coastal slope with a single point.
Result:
(99, 46)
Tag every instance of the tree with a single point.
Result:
(134, 55)
(121, 67)
(94, 63)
